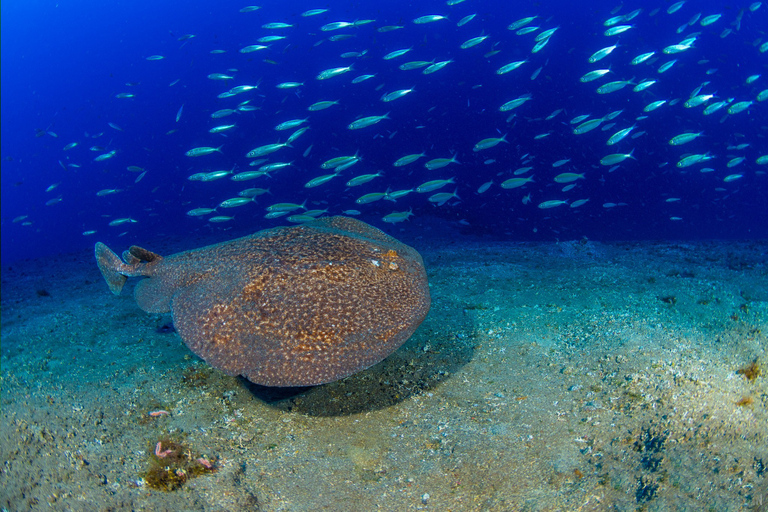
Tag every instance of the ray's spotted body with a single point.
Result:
(289, 306)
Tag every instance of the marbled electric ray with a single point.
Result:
(289, 306)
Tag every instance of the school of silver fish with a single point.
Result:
(296, 140)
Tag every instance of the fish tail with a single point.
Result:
(110, 266)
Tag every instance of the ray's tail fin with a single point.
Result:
(110, 266)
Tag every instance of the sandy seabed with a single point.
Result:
(554, 376)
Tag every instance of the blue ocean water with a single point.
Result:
(65, 63)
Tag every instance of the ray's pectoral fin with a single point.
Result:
(211, 324)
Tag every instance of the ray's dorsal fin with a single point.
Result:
(143, 254)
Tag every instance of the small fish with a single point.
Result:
(363, 178)
(336, 25)
(473, 42)
(389, 28)
(332, 72)
(89, 233)
(684, 138)
(265, 150)
(594, 75)
(108, 192)
(579, 202)
(552, 204)
(54, 201)
(438, 163)
(74, 144)
(124, 95)
(512, 104)
(220, 76)
(370, 198)
(252, 48)
(521, 23)
(366, 121)
(693, 159)
(397, 194)
(484, 187)
(510, 67)
(516, 182)
(321, 105)
(253, 192)
(223, 113)
(395, 217)
(437, 66)
(545, 35)
(198, 212)
(643, 85)
(714, 107)
(289, 85)
(391, 96)
(613, 86)
(155, 57)
(739, 107)
(560, 163)
(489, 143)
(285, 207)
(430, 186)
(220, 218)
(732, 177)
(587, 126)
(602, 53)
(408, 159)
(642, 58)
(698, 100)
(339, 161)
(653, 106)
(289, 125)
(313, 12)
(134, 168)
(675, 7)
(178, 114)
(430, 18)
(618, 29)
(416, 64)
(619, 136)
(105, 156)
(203, 150)
(443, 197)
(466, 19)
(568, 177)
(250, 8)
(397, 53)
(733, 162)
(665, 67)
(222, 128)
(708, 20)
(235, 202)
(616, 158)
(315, 182)
(362, 78)
(276, 26)
(120, 222)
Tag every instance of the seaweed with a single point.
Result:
(751, 371)
(172, 464)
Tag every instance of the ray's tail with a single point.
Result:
(110, 266)
(136, 261)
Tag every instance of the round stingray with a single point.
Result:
(297, 306)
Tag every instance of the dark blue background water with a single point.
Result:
(64, 62)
